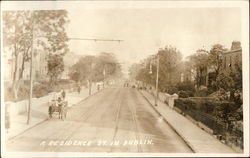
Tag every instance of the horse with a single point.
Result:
(61, 109)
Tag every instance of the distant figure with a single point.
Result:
(63, 95)
(98, 87)
(79, 89)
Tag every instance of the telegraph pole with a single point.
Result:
(157, 80)
(104, 73)
(31, 74)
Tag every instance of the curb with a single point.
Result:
(165, 120)
(40, 122)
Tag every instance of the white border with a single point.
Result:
(244, 5)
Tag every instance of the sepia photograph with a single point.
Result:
(124, 78)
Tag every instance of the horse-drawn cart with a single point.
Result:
(61, 109)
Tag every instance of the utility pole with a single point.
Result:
(31, 74)
(104, 73)
(157, 80)
(90, 80)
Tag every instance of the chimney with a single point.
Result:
(235, 45)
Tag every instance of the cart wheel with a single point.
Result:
(50, 112)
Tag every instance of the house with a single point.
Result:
(229, 58)
(39, 66)
(232, 57)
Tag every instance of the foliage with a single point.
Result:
(108, 65)
(75, 76)
(40, 89)
(41, 29)
(94, 67)
(185, 94)
(169, 69)
(170, 60)
(214, 58)
(134, 71)
(218, 109)
(55, 67)
(231, 81)
(199, 62)
(171, 90)
(186, 86)
(202, 92)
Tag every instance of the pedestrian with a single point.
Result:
(63, 95)
(79, 89)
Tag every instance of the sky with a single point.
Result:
(146, 26)
(144, 31)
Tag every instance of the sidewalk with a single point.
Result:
(197, 139)
(39, 114)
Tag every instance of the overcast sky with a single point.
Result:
(146, 30)
(146, 26)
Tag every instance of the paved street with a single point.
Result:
(114, 120)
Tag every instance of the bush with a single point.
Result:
(8, 95)
(41, 90)
(185, 94)
(171, 90)
(186, 86)
(23, 92)
(203, 104)
(202, 93)
(184, 104)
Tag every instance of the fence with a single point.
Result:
(228, 133)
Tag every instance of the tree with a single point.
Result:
(231, 80)
(75, 76)
(107, 63)
(169, 69)
(134, 70)
(91, 68)
(55, 67)
(214, 57)
(84, 67)
(199, 62)
(215, 62)
(24, 29)
(17, 39)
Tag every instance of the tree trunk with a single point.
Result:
(14, 79)
(15, 89)
(22, 69)
(23, 62)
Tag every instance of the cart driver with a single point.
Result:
(59, 101)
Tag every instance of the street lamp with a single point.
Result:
(157, 80)
(157, 76)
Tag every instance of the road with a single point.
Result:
(114, 120)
